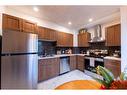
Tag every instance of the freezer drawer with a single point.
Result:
(19, 72)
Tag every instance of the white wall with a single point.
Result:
(123, 11)
(104, 25)
(2, 9)
(75, 39)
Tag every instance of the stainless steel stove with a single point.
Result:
(91, 63)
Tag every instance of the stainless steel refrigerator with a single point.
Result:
(19, 60)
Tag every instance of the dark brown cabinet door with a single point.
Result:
(69, 40)
(11, 23)
(41, 34)
(42, 69)
(48, 68)
(109, 36)
(113, 35)
(80, 63)
(18, 24)
(117, 35)
(53, 35)
(114, 66)
(59, 38)
(79, 40)
(83, 39)
(54, 66)
(47, 34)
(73, 62)
(64, 39)
(28, 26)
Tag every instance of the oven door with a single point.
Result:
(88, 66)
(99, 63)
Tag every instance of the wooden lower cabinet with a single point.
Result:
(48, 68)
(114, 66)
(80, 63)
(73, 62)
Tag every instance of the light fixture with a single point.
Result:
(90, 20)
(35, 9)
(69, 23)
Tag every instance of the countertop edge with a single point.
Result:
(67, 55)
(112, 58)
(62, 55)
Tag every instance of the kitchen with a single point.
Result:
(60, 54)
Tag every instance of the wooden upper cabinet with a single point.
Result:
(53, 35)
(28, 26)
(41, 34)
(64, 39)
(69, 40)
(22, 25)
(47, 34)
(83, 39)
(117, 34)
(11, 23)
(18, 24)
(59, 38)
(113, 35)
(109, 36)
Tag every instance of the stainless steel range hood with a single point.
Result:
(97, 35)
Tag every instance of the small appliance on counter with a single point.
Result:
(68, 51)
(97, 53)
(117, 53)
(58, 52)
(64, 51)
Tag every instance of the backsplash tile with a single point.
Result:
(46, 47)
(49, 47)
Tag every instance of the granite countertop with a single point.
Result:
(65, 55)
(60, 55)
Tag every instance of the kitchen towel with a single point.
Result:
(92, 62)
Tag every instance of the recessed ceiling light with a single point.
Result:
(90, 20)
(35, 9)
(69, 23)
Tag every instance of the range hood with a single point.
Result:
(97, 35)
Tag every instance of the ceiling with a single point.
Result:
(61, 15)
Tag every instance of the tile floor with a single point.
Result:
(54, 82)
